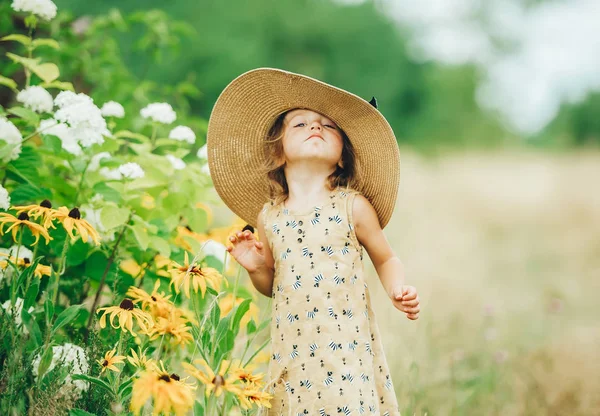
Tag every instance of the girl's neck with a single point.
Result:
(302, 197)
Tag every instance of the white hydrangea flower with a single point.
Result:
(131, 170)
(202, 153)
(159, 112)
(12, 136)
(177, 163)
(113, 109)
(93, 217)
(18, 308)
(97, 198)
(70, 355)
(24, 252)
(45, 9)
(83, 117)
(112, 174)
(183, 133)
(206, 169)
(64, 133)
(36, 98)
(95, 161)
(4, 198)
(217, 250)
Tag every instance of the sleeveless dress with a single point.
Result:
(327, 357)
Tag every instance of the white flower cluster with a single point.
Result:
(36, 98)
(95, 161)
(63, 132)
(18, 308)
(45, 9)
(80, 113)
(10, 134)
(113, 109)
(129, 170)
(23, 253)
(177, 163)
(4, 198)
(159, 112)
(69, 355)
(202, 153)
(93, 217)
(183, 133)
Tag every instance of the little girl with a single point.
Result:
(316, 170)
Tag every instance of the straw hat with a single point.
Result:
(248, 107)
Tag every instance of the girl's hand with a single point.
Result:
(247, 251)
(405, 299)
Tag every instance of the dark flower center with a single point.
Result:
(165, 377)
(26, 260)
(248, 227)
(105, 363)
(74, 213)
(218, 380)
(127, 304)
(23, 216)
(153, 298)
(175, 377)
(46, 204)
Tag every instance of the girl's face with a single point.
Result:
(311, 136)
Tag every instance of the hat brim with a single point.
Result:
(250, 104)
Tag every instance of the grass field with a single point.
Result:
(504, 250)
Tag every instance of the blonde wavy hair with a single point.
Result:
(346, 174)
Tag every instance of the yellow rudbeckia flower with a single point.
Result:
(126, 311)
(109, 361)
(197, 276)
(22, 220)
(72, 219)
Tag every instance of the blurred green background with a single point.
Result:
(360, 47)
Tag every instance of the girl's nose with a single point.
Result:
(315, 124)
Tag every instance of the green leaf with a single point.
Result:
(26, 114)
(197, 220)
(26, 62)
(32, 326)
(141, 235)
(251, 326)
(240, 311)
(108, 192)
(26, 194)
(79, 412)
(49, 311)
(124, 386)
(32, 291)
(161, 245)
(47, 72)
(215, 315)
(61, 85)
(45, 42)
(98, 382)
(66, 316)
(26, 166)
(45, 362)
(131, 135)
(22, 39)
(8, 83)
(113, 216)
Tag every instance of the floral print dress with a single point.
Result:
(326, 357)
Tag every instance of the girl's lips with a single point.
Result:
(315, 135)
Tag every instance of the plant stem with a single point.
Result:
(107, 268)
(63, 267)
(81, 182)
(153, 138)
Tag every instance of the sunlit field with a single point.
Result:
(504, 250)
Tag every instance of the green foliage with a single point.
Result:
(51, 297)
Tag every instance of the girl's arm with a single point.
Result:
(262, 278)
(370, 235)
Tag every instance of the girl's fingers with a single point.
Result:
(412, 316)
(413, 302)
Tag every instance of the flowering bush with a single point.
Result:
(115, 288)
